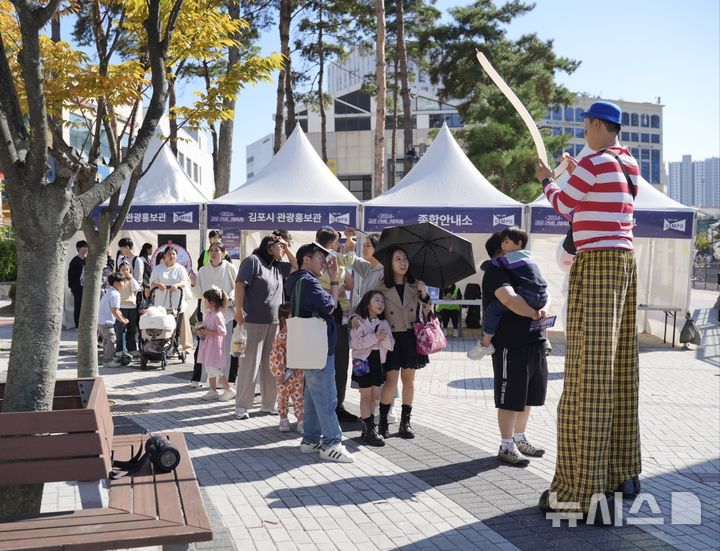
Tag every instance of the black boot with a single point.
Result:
(630, 488)
(383, 424)
(370, 433)
(405, 429)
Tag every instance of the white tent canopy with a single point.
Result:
(294, 191)
(445, 188)
(165, 182)
(663, 239)
(444, 176)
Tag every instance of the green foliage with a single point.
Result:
(8, 260)
(704, 244)
(495, 137)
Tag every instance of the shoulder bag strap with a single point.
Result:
(631, 186)
(298, 287)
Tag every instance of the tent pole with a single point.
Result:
(203, 228)
(690, 260)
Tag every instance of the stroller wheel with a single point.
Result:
(163, 363)
(126, 359)
(143, 363)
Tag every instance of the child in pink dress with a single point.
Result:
(290, 382)
(211, 353)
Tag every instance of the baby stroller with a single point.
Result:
(158, 335)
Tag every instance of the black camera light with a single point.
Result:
(163, 454)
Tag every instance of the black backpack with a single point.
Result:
(147, 270)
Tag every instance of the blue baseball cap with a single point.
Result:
(606, 111)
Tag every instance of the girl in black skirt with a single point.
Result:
(404, 295)
(370, 339)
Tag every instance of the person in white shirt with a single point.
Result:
(220, 273)
(108, 312)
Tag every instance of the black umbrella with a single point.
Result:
(437, 257)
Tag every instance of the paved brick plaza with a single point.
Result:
(443, 490)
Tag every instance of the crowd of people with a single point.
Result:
(369, 308)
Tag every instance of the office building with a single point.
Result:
(695, 183)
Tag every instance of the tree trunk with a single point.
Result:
(321, 99)
(290, 119)
(279, 112)
(227, 127)
(98, 242)
(404, 88)
(380, 76)
(41, 281)
(172, 118)
(284, 26)
(393, 145)
(224, 154)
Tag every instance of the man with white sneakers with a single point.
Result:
(322, 432)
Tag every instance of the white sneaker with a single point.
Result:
(195, 384)
(227, 395)
(284, 425)
(241, 413)
(337, 453)
(391, 415)
(456, 333)
(300, 427)
(306, 447)
(210, 395)
(271, 410)
(512, 456)
(478, 351)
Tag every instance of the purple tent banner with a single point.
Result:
(648, 223)
(159, 217)
(458, 220)
(289, 217)
(663, 224)
(546, 220)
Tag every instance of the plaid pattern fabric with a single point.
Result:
(598, 435)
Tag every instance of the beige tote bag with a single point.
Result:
(307, 343)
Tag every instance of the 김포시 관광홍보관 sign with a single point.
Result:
(291, 217)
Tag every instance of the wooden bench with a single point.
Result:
(148, 508)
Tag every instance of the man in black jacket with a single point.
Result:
(76, 272)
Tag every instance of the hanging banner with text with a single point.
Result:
(159, 217)
(457, 220)
(288, 217)
(648, 223)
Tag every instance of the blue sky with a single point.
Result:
(635, 50)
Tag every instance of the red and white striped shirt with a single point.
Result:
(599, 199)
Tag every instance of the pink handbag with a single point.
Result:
(429, 337)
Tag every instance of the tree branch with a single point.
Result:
(31, 67)
(45, 14)
(84, 203)
(10, 104)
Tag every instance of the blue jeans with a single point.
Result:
(495, 310)
(320, 419)
(492, 316)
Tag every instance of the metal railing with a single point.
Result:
(706, 275)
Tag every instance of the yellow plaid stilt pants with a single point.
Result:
(598, 434)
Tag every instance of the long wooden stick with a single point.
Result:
(522, 111)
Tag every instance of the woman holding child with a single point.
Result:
(403, 296)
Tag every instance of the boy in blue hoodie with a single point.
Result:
(322, 432)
